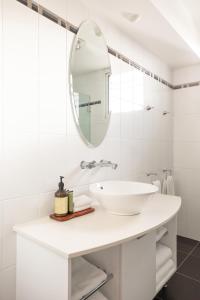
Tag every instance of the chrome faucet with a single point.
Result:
(107, 163)
(94, 164)
(88, 165)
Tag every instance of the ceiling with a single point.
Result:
(169, 29)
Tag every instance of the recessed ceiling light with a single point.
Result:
(131, 17)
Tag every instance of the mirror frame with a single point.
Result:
(71, 92)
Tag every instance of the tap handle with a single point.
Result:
(88, 165)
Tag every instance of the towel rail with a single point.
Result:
(152, 174)
(167, 172)
(109, 277)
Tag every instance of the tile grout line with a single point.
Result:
(187, 256)
(188, 277)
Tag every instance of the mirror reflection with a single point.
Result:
(89, 82)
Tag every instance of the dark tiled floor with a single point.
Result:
(185, 284)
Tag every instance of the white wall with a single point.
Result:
(187, 150)
(38, 137)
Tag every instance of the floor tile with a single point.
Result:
(180, 288)
(185, 245)
(191, 268)
(196, 252)
(180, 257)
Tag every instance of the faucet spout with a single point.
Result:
(94, 164)
(108, 163)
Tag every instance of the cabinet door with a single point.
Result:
(138, 268)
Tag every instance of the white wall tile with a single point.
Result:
(20, 71)
(186, 128)
(186, 150)
(186, 155)
(16, 211)
(52, 77)
(46, 202)
(132, 159)
(187, 74)
(187, 186)
(187, 101)
(54, 160)
(20, 103)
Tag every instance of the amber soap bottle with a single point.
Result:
(61, 200)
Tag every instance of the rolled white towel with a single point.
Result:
(163, 254)
(170, 185)
(158, 184)
(164, 271)
(85, 277)
(98, 296)
(82, 200)
(165, 279)
(160, 232)
(80, 208)
(164, 186)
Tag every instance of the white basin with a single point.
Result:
(122, 197)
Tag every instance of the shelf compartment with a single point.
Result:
(109, 277)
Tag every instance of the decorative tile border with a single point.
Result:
(186, 85)
(61, 22)
(90, 103)
(138, 67)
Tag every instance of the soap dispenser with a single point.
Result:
(61, 200)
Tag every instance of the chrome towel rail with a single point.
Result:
(109, 277)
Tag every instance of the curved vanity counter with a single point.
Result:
(99, 230)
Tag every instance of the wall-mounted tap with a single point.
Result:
(149, 107)
(88, 165)
(107, 163)
(93, 164)
(152, 174)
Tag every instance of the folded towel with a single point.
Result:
(166, 268)
(160, 232)
(170, 185)
(165, 279)
(164, 186)
(158, 184)
(79, 208)
(163, 254)
(98, 296)
(82, 201)
(85, 277)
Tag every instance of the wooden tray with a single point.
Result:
(72, 216)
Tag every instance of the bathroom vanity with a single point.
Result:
(122, 245)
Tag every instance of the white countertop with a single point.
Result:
(100, 229)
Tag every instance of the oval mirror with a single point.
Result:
(90, 70)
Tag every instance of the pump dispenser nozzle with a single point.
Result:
(61, 184)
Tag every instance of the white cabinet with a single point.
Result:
(123, 246)
(133, 266)
(138, 268)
